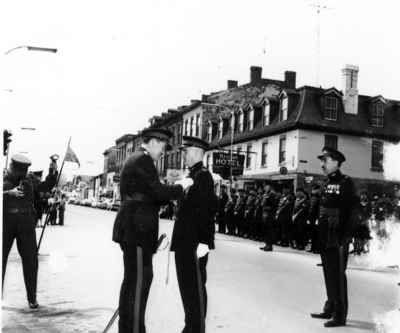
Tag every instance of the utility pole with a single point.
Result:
(318, 7)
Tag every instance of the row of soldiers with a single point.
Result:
(290, 219)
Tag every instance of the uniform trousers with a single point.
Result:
(138, 275)
(268, 223)
(192, 277)
(334, 264)
(22, 228)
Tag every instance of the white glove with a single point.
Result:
(202, 250)
(185, 183)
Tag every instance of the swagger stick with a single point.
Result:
(48, 213)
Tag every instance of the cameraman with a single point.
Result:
(19, 218)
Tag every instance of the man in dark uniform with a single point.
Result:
(284, 217)
(193, 235)
(300, 215)
(229, 213)
(37, 196)
(258, 215)
(239, 213)
(313, 214)
(249, 215)
(268, 216)
(336, 227)
(222, 200)
(136, 225)
(19, 219)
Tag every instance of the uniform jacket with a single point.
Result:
(285, 208)
(338, 203)
(196, 212)
(313, 212)
(300, 211)
(31, 188)
(141, 196)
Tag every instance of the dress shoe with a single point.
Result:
(335, 323)
(33, 305)
(322, 315)
(266, 248)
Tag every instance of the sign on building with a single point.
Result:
(224, 161)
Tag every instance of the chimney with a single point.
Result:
(255, 74)
(232, 84)
(204, 98)
(290, 79)
(350, 90)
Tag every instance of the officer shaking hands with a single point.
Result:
(193, 235)
(338, 200)
(136, 225)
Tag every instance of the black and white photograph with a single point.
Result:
(198, 166)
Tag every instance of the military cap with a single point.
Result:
(333, 153)
(20, 161)
(158, 133)
(191, 141)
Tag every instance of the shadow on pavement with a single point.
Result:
(363, 325)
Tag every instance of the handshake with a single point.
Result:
(185, 183)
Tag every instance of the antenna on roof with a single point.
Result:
(318, 7)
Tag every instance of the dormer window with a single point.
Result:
(241, 120)
(330, 107)
(283, 109)
(266, 114)
(186, 127)
(232, 121)
(250, 119)
(377, 114)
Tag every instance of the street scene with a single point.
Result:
(250, 290)
(200, 166)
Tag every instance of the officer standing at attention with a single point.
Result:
(136, 225)
(193, 235)
(19, 219)
(338, 201)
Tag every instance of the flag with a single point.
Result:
(70, 156)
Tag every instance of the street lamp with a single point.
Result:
(32, 48)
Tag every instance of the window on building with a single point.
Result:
(264, 154)
(209, 131)
(238, 149)
(266, 114)
(377, 156)
(208, 161)
(241, 120)
(186, 127)
(283, 110)
(377, 115)
(248, 156)
(250, 119)
(191, 126)
(178, 160)
(220, 128)
(232, 122)
(330, 107)
(282, 149)
(197, 125)
(179, 134)
(331, 141)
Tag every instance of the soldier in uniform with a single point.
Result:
(284, 217)
(336, 227)
(229, 213)
(193, 235)
(268, 216)
(136, 225)
(249, 225)
(19, 219)
(258, 215)
(222, 200)
(239, 212)
(300, 214)
(313, 214)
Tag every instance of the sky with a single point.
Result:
(121, 62)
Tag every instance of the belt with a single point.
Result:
(18, 210)
(139, 197)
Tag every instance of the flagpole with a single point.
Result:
(48, 213)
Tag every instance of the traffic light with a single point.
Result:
(6, 141)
